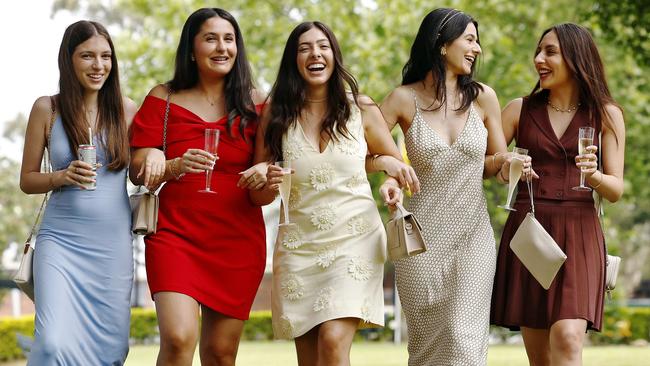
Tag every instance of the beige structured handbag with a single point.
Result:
(144, 206)
(404, 237)
(536, 249)
(24, 276)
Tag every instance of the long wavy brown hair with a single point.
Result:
(288, 93)
(111, 123)
(583, 60)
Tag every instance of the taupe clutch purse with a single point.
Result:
(404, 237)
(144, 208)
(536, 249)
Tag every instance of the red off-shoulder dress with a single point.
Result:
(210, 247)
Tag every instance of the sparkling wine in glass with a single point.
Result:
(585, 138)
(516, 169)
(211, 144)
(285, 188)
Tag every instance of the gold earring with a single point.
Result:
(192, 57)
(443, 51)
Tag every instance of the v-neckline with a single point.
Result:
(568, 127)
(435, 133)
(317, 149)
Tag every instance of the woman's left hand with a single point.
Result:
(588, 163)
(391, 193)
(253, 177)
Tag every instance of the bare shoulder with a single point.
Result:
(399, 95)
(42, 105)
(365, 101)
(130, 108)
(486, 95)
(399, 103)
(159, 91)
(258, 96)
(514, 106)
(615, 116)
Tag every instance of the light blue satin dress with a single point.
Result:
(83, 268)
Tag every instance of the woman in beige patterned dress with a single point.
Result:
(328, 268)
(452, 128)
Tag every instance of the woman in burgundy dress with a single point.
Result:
(209, 250)
(571, 93)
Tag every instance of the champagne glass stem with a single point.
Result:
(208, 179)
(582, 179)
(286, 211)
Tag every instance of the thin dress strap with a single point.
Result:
(415, 100)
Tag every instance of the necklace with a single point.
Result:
(321, 100)
(557, 109)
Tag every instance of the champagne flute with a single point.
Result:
(516, 168)
(211, 144)
(285, 187)
(585, 138)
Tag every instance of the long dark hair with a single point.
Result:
(111, 125)
(438, 28)
(239, 83)
(288, 93)
(581, 55)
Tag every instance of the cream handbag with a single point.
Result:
(536, 249)
(404, 237)
(144, 206)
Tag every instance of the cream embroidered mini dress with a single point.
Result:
(330, 265)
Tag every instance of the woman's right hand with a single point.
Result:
(273, 178)
(78, 173)
(528, 171)
(197, 161)
(153, 168)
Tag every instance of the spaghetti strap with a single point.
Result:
(415, 99)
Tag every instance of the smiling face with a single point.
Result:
(315, 59)
(463, 51)
(550, 64)
(215, 47)
(92, 62)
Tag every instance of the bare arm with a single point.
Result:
(510, 124)
(380, 142)
(262, 155)
(609, 182)
(496, 145)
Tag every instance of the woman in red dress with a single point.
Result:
(209, 251)
(571, 93)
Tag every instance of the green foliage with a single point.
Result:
(144, 325)
(9, 327)
(621, 325)
(258, 327)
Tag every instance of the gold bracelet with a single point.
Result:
(174, 169)
(51, 181)
(494, 160)
(372, 162)
(602, 177)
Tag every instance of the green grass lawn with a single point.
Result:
(386, 354)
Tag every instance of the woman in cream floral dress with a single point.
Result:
(328, 267)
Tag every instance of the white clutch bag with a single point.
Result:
(536, 249)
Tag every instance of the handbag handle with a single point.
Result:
(164, 145)
(401, 210)
(529, 184)
(47, 162)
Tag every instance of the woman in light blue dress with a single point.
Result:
(83, 267)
